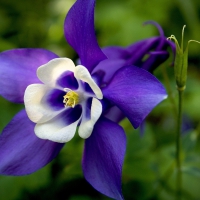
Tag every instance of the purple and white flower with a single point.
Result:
(67, 97)
(60, 97)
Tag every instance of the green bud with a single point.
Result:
(181, 62)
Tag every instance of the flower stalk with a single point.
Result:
(180, 71)
(178, 144)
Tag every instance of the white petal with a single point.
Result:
(36, 108)
(51, 71)
(86, 126)
(56, 130)
(83, 74)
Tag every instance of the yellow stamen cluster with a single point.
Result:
(70, 99)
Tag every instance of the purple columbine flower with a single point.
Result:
(60, 97)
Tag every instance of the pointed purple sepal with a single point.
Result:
(80, 34)
(21, 152)
(103, 158)
(135, 92)
(18, 70)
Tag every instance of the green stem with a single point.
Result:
(178, 145)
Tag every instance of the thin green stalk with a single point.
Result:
(180, 71)
(178, 145)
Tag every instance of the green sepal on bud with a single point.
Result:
(181, 61)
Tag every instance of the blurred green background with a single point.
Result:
(148, 172)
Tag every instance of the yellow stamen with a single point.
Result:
(71, 99)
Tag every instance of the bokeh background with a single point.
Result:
(149, 168)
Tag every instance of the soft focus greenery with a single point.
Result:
(149, 169)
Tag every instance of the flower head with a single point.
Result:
(181, 61)
(66, 90)
(59, 97)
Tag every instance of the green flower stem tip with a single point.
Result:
(181, 61)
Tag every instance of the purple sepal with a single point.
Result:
(135, 92)
(80, 34)
(103, 158)
(18, 70)
(21, 152)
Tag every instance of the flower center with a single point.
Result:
(71, 99)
